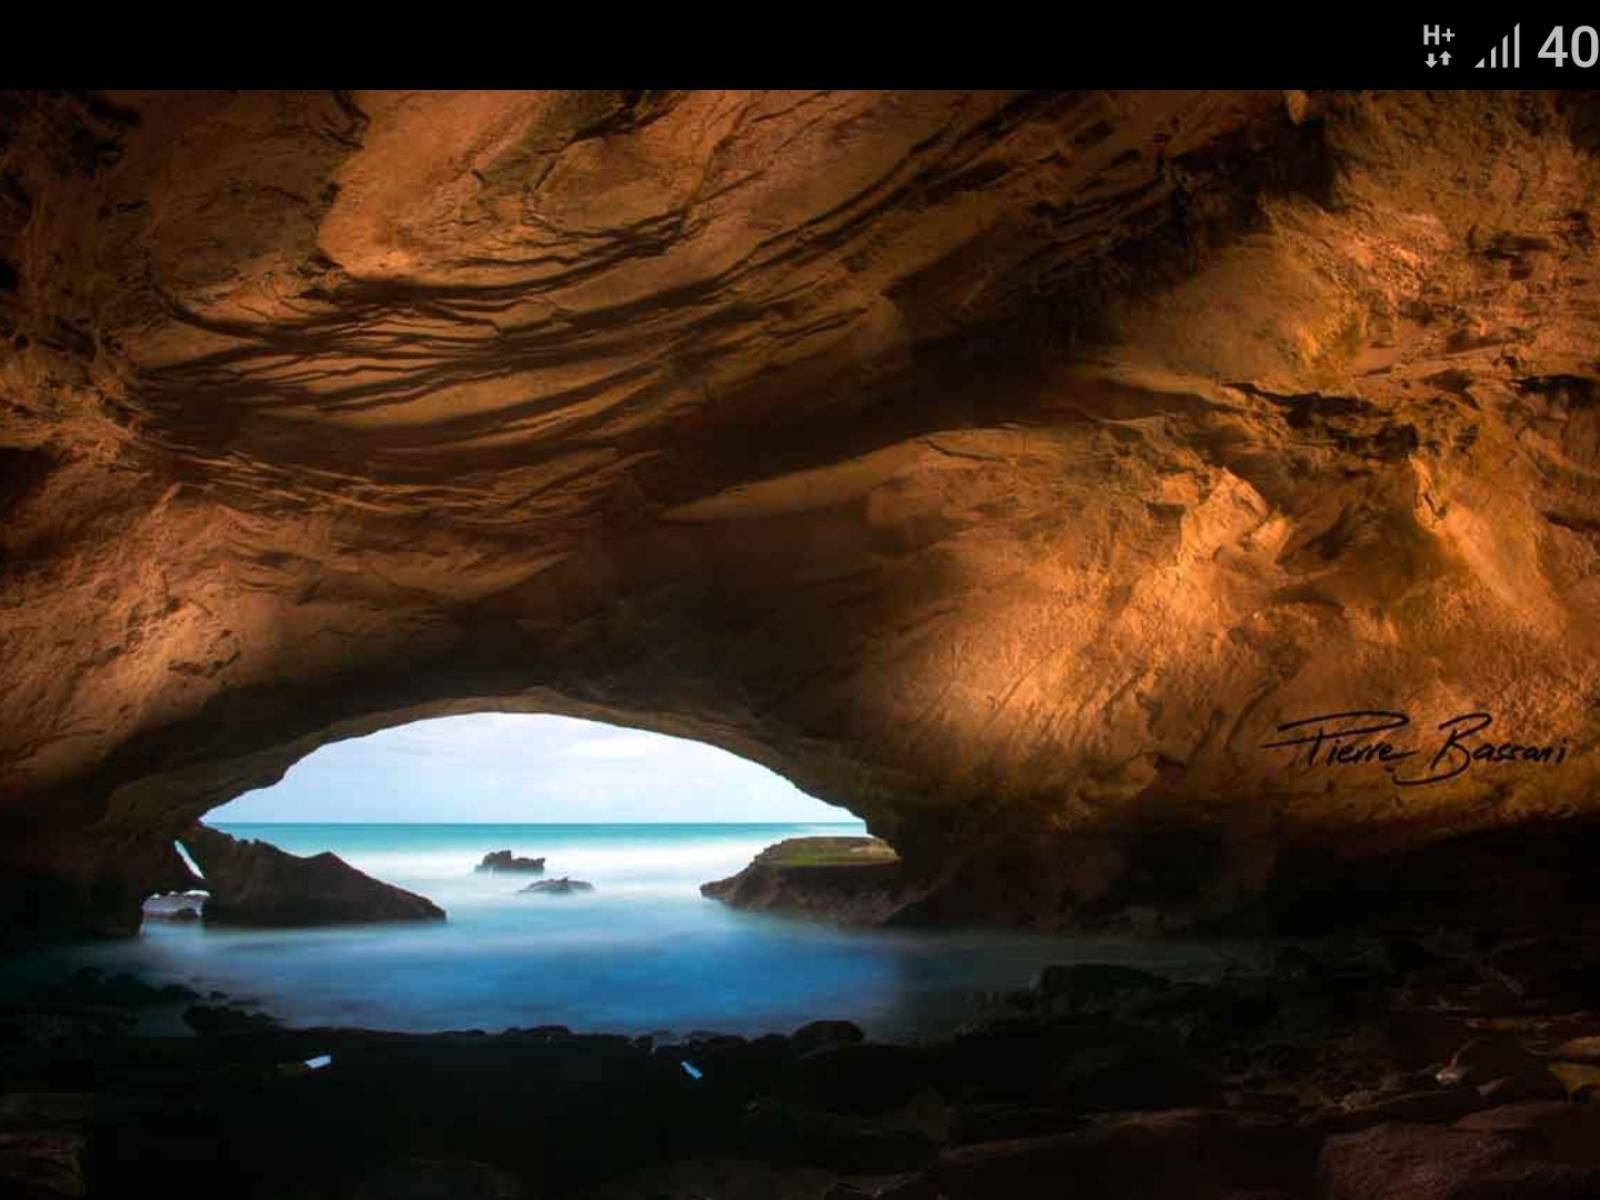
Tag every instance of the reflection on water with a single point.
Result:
(643, 952)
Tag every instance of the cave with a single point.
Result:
(1154, 514)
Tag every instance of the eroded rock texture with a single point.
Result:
(1006, 467)
(253, 883)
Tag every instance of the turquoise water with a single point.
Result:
(644, 952)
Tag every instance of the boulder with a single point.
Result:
(1009, 1122)
(1553, 1130)
(1425, 1162)
(557, 887)
(42, 1164)
(1437, 1106)
(816, 1034)
(849, 879)
(1504, 1061)
(1199, 1154)
(504, 860)
(1082, 986)
(255, 883)
(781, 1132)
(859, 1076)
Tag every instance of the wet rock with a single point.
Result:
(504, 860)
(1499, 1059)
(1133, 1072)
(116, 989)
(45, 1110)
(253, 883)
(821, 1033)
(1438, 1106)
(771, 1129)
(557, 887)
(849, 879)
(1084, 986)
(1579, 1049)
(38, 1165)
(1008, 1122)
(1194, 1153)
(1427, 1162)
(1511, 1089)
(859, 1076)
(207, 1019)
(1553, 1130)
(425, 1179)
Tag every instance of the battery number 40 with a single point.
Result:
(1584, 48)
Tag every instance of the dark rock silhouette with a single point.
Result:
(255, 883)
(846, 879)
(558, 887)
(503, 860)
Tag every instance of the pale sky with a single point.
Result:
(505, 767)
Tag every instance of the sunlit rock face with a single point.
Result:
(1005, 467)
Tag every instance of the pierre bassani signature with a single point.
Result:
(1362, 736)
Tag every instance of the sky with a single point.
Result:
(511, 767)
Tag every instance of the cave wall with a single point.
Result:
(1004, 467)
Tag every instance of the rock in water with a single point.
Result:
(852, 879)
(503, 860)
(255, 883)
(175, 906)
(558, 887)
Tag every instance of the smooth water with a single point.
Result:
(644, 952)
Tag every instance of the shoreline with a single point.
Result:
(1342, 1038)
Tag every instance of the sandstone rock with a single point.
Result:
(1493, 1059)
(254, 883)
(1015, 469)
(39, 1165)
(504, 860)
(1552, 1130)
(1441, 1106)
(1408, 1162)
(1195, 1153)
(1423, 1162)
(1580, 1049)
(1008, 1122)
(564, 886)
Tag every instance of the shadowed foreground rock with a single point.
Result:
(254, 883)
(1328, 1078)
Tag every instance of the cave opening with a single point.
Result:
(587, 875)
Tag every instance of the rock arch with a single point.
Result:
(1003, 467)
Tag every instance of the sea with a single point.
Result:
(642, 953)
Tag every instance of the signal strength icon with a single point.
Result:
(1507, 54)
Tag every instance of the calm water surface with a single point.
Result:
(644, 952)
